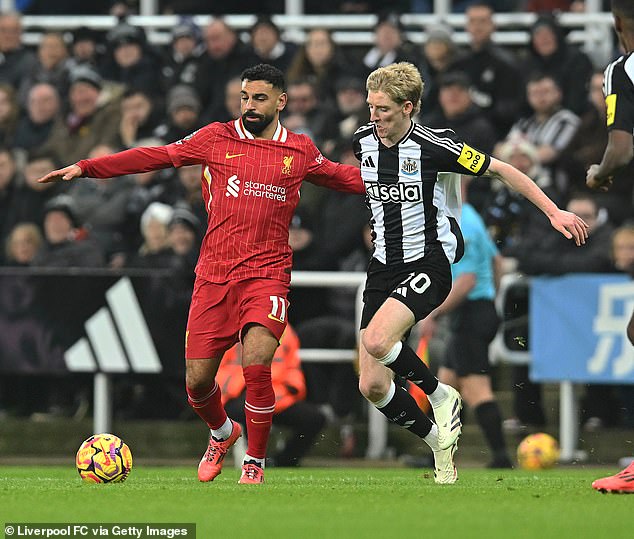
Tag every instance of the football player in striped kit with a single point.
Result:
(412, 174)
(618, 87)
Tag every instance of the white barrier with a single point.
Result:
(593, 31)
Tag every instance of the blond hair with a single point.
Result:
(33, 234)
(400, 82)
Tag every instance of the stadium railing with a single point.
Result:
(592, 30)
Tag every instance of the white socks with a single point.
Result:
(432, 438)
(439, 395)
(248, 459)
(388, 396)
(391, 356)
(224, 431)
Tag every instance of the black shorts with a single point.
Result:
(422, 285)
(472, 328)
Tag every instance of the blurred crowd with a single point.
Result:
(83, 93)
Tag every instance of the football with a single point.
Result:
(104, 458)
(538, 452)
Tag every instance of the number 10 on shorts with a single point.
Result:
(278, 308)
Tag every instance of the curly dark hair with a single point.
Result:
(265, 72)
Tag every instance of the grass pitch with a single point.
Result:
(329, 503)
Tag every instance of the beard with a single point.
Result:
(256, 123)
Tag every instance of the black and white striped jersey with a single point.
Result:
(556, 131)
(413, 190)
(618, 88)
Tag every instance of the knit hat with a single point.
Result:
(182, 96)
(183, 216)
(64, 204)
(85, 73)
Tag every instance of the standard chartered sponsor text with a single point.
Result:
(265, 190)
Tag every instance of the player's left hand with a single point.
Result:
(594, 183)
(63, 174)
(570, 225)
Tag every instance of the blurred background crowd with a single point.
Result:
(83, 93)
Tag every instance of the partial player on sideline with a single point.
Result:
(618, 88)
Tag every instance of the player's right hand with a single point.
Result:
(67, 173)
(595, 183)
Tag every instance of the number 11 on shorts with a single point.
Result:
(278, 309)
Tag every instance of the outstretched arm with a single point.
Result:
(618, 153)
(569, 224)
(130, 161)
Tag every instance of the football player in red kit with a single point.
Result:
(252, 171)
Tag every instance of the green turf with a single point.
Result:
(329, 503)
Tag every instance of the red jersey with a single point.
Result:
(250, 187)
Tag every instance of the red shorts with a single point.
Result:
(219, 312)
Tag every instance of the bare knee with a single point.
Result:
(376, 342)
(373, 385)
(199, 373)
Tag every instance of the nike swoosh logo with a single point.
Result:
(258, 422)
(229, 156)
(275, 318)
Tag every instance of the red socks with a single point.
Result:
(258, 408)
(207, 404)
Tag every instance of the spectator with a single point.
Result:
(183, 55)
(508, 215)
(232, 100)
(88, 122)
(148, 187)
(102, 207)
(321, 63)
(9, 182)
(183, 108)
(131, 61)
(86, 48)
(187, 193)
(352, 110)
(139, 117)
(550, 127)
(226, 58)
(497, 81)
(9, 113)
(308, 114)
(31, 197)
(16, 62)
(66, 243)
(547, 255)
(155, 252)
(52, 65)
(439, 53)
(291, 409)
(458, 112)
(390, 44)
(22, 244)
(42, 109)
(184, 235)
(550, 53)
(268, 46)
